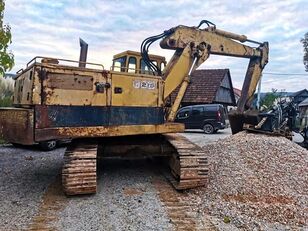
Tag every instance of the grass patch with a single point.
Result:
(2, 141)
(6, 102)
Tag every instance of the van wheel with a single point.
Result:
(208, 129)
(48, 145)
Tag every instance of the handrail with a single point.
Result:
(19, 71)
(65, 60)
(137, 71)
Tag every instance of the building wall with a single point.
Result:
(303, 115)
(224, 94)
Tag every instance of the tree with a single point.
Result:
(304, 41)
(269, 98)
(6, 57)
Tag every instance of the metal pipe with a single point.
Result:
(83, 53)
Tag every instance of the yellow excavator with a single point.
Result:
(125, 109)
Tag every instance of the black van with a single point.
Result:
(209, 117)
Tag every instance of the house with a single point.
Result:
(299, 96)
(9, 75)
(303, 112)
(237, 94)
(209, 86)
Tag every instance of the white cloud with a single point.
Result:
(52, 28)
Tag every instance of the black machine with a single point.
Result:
(276, 120)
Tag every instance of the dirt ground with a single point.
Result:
(132, 195)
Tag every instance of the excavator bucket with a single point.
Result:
(238, 119)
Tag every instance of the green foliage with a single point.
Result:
(6, 102)
(6, 92)
(6, 57)
(304, 41)
(269, 98)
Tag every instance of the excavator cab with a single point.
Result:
(132, 62)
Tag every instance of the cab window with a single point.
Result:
(144, 68)
(162, 66)
(183, 114)
(119, 64)
(132, 65)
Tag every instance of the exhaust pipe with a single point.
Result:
(83, 53)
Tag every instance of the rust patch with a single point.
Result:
(132, 191)
(70, 81)
(182, 209)
(255, 199)
(52, 201)
(16, 125)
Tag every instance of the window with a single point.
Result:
(145, 69)
(211, 108)
(162, 66)
(132, 65)
(197, 110)
(119, 64)
(183, 114)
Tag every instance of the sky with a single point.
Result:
(52, 28)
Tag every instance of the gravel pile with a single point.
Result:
(257, 182)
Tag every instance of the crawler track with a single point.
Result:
(188, 164)
(79, 169)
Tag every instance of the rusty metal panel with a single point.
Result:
(102, 131)
(70, 81)
(16, 125)
(62, 85)
(23, 88)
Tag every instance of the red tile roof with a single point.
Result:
(237, 91)
(204, 85)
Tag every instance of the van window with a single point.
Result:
(183, 114)
(211, 108)
(197, 110)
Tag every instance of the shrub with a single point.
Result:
(6, 91)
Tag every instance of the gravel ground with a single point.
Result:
(24, 176)
(32, 198)
(201, 139)
(250, 188)
(257, 182)
(127, 200)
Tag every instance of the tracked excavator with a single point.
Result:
(125, 109)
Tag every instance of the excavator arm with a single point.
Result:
(193, 46)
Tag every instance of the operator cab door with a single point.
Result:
(183, 116)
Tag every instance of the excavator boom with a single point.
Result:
(194, 45)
